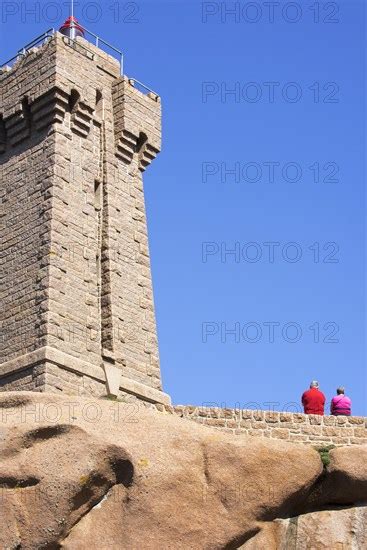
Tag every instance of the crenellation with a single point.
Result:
(137, 123)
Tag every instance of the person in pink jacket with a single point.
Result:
(341, 404)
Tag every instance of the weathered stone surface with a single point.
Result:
(75, 267)
(79, 473)
(326, 530)
(346, 482)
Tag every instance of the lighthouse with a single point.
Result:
(77, 310)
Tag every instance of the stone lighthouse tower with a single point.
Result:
(77, 312)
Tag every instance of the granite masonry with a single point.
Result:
(312, 429)
(77, 307)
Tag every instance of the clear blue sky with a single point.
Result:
(293, 131)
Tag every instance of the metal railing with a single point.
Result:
(23, 51)
(99, 41)
(48, 34)
(43, 38)
(134, 81)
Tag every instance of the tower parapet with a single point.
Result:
(77, 301)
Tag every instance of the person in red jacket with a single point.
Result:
(313, 400)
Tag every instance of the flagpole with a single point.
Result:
(72, 19)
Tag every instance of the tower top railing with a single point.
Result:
(43, 38)
(40, 40)
(98, 41)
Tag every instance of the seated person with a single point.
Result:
(341, 404)
(313, 400)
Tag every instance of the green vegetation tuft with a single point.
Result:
(324, 454)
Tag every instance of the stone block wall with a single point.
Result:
(75, 138)
(296, 427)
(26, 159)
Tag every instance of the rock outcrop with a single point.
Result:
(78, 473)
(343, 529)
